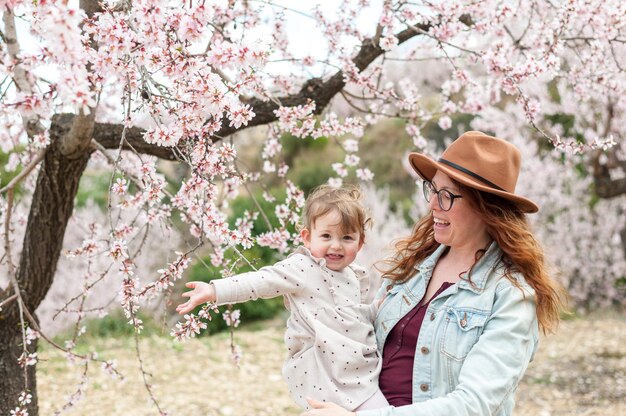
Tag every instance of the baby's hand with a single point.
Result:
(201, 293)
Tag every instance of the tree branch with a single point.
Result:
(90, 7)
(610, 188)
(78, 138)
(604, 186)
(109, 136)
(32, 123)
(315, 89)
(33, 163)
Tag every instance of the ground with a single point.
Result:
(581, 370)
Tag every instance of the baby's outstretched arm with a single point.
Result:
(202, 293)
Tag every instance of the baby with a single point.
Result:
(332, 354)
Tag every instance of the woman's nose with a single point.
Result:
(434, 202)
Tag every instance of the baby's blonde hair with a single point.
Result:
(345, 200)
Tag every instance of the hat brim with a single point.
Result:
(426, 168)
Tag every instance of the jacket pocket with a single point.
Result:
(463, 326)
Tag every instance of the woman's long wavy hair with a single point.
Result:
(522, 253)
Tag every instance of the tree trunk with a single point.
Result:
(12, 377)
(51, 209)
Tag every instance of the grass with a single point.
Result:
(579, 370)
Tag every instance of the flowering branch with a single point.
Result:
(145, 375)
(315, 89)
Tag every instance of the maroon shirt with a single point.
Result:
(396, 375)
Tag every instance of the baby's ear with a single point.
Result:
(305, 234)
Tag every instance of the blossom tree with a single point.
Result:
(124, 84)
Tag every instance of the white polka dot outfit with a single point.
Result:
(330, 339)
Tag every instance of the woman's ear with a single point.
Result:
(305, 234)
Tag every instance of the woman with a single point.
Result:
(466, 294)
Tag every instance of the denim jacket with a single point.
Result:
(474, 344)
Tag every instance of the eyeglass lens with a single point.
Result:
(444, 197)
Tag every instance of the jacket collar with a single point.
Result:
(480, 272)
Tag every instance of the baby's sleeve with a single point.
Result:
(284, 277)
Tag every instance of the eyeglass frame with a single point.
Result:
(428, 187)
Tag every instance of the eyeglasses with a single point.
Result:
(445, 198)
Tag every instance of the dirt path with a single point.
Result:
(579, 371)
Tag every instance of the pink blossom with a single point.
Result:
(31, 104)
(445, 122)
(268, 197)
(308, 60)
(88, 246)
(448, 107)
(335, 182)
(127, 267)
(19, 411)
(193, 324)
(123, 230)
(118, 250)
(75, 90)
(193, 24)
(25, 398)
(295, 195)
(27, 359)
(227, 152)
(269, 167)
(31, 335)
(340, 169)
(388, 42)
(364, 174)
(274, 239)
(232, 318)
(281, 211)
(351, 146)
(41, 140)
(163, 136)
(240, 116)
(282, 170)
(10, 3)
(352, 160)
(119, 187)
(272, 148)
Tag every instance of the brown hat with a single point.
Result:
(481, 162)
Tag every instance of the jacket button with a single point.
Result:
(424, 350)
(432, 316)
(424, 387)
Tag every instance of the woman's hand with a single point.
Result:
(202, 293)
(326, 409)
